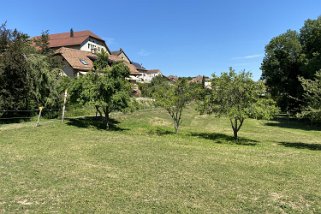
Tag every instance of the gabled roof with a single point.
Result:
(65, 39)
(77, 59)
(120, 51)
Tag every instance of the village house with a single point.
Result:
(78, 51)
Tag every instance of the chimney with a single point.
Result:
(71, 32)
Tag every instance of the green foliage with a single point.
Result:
(281, 68)
(264, 109)
(102, 61)
(310, 38)
(172, 97)
(148, 89)
(238, 97)
(289, 56)
(42, 43)
(27, 79)
(107, 90)
(312, 93)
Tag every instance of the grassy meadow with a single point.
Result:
(142, 167)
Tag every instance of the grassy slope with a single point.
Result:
(146, 168)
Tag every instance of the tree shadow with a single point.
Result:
(294, 123)
(223, 138)
(14, 120)
(160, 132)
(300, 145)
(96, 122)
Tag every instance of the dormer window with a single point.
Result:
(83, 61)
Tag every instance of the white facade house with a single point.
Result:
(93, 45)
(148, 75)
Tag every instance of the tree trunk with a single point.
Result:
(98, 111)
(235, 129)
(107, 119)
(176, 127)
(235, 134)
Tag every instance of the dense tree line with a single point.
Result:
(289, 57)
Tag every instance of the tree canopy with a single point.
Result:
(106, 89)
(289, 56)
(237, 97)
(173, 97)
(27, 78)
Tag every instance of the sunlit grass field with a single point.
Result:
(141, 166)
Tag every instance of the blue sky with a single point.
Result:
(180, 37)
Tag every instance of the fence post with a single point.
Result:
(38, 121)
(64, 106)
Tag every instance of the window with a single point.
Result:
(83, 61)
(88, 46)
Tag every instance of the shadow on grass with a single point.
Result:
(223, 138)
(293, 123)
(300, 145)
(14, 120)
(96, 122)
(160, 132)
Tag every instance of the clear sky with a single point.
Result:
(180, 37)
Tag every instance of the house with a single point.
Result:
(78, 62)
(141, 74)
(122, 55)
(172, 78)
(81, 40)
(201, 80)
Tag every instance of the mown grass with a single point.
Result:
(143, 167)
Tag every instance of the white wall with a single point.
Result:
(92, 43)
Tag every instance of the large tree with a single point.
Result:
(237, 97)
(173, 97)
(281, 68)
(15, 78)
(27, 78)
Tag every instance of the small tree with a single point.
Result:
(238, 97)
(312, 94)
(173, 98)
(106, 89)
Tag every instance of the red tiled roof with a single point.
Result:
(73, 57)
(64, 39)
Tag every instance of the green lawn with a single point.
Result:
(142, 167)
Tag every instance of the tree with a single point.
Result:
(173, 98)
(42, 43)
(15, 78)
(107, 90)
(235, 96)
(281, 68)
(312, 94)
(27, 79)
(310, 38)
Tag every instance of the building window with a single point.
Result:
(83, 61)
